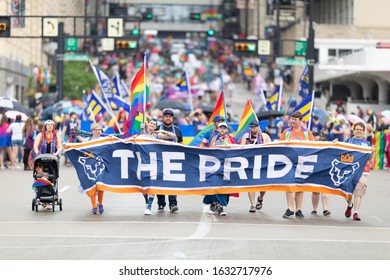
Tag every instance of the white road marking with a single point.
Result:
(64, 188)
(204, 225)
(378, 219)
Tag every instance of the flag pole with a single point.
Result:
(223, 97)
(294, 92)
(144, 99)
(109, 109)
(189, 92)
(311, 108)
(280, 96)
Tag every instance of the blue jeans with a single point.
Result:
(171, 198)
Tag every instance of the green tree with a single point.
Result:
(78, 76)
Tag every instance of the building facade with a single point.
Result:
(26, 58)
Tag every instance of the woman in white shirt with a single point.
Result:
(17, 140)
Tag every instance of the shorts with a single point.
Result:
(17, 143)
(361, 186)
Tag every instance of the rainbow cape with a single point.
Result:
(247, 116)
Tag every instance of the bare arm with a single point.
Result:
(162, 134)
(36, 143)
(59, 147)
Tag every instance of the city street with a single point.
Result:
(124, 232)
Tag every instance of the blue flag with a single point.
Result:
(306, 108)
(275, 99)
(304, 83)
(94, 106)
(182, 84)
(104, 81)
(116, 86)
(117, 103)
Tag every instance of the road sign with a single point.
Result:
(264, 47)
(300, 48)
(71, 44)
(49, 27)
(290, 61)
(76, 57)
(115, 27)
(108, 44)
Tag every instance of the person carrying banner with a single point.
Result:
(319, 135)
(296, 131)
(96, 134)
(253, 137)
(168, 125)
(149, 131)
(219, 201)
(361, 187)
(209, 134)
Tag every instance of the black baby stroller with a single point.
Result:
(49, 164)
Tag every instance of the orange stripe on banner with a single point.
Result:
(322, 144)
(224, 190)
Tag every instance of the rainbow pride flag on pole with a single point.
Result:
(219, 109)
(139, 95)
(247, 116)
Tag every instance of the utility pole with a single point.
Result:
(278, 37)
(246, 17)
(60, 61)
(310, 56)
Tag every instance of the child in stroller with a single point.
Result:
(45, 184)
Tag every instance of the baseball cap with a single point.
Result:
(222, 124)
(253, 124)
(168, 112)
(218, 118)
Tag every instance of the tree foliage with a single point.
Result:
(78, 76)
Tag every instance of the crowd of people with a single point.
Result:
(21, 140)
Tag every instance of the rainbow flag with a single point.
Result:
(139, 95)
(41, 182)
(219, 109)
(379, 142)
(247, 116)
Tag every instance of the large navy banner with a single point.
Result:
(161, 167)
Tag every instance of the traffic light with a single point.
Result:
(123, 45)
(5, 26)
(135, 30)
(147, 16)
(195, 16)
(245, 47)
(211, 32)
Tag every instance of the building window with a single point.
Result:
(18, 8)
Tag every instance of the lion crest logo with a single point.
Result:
(342, 171)
(93, 166)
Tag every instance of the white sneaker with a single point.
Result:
(3, 167)
(148, 211)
